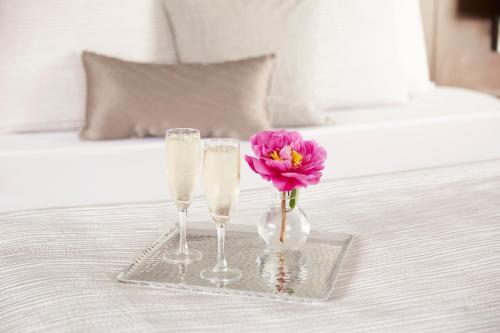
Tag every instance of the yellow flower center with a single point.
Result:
(275, 156)
(296, 157)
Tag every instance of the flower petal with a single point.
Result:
(279, 166)
(258, 166)
(284, 184)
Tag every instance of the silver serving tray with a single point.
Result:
(307, 275)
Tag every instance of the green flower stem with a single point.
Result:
(293, 198)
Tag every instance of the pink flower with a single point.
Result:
(286, 159)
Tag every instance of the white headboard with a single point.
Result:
(41, 77)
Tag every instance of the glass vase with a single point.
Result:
(284, 226)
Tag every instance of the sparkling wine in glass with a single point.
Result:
(221, 180)
(183, 158)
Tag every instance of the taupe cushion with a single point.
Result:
(127, 99)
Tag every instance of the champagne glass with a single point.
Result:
(183, 161)
(221, 180)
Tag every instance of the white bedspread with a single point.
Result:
(426, 258)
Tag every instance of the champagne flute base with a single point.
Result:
(176, 257)
(226, 275)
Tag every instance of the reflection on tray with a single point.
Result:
(282, 271)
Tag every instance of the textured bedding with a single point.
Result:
(425, 258)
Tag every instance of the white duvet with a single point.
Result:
(443, 126)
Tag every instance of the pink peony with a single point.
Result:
(286, 159)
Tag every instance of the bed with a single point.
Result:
(418, 184)
(440, 127)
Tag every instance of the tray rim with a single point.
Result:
(171, 231)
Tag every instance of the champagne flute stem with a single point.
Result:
(183, 247)
(221, 264)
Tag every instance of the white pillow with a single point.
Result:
(222, 30)
(360, 63)
(41, 78)
(412, 45)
